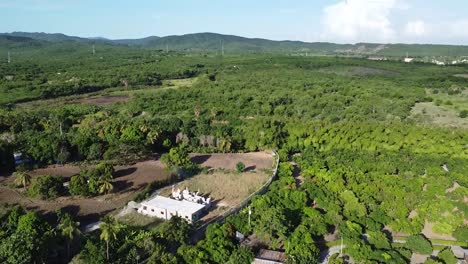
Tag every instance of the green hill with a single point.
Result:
(212, 42)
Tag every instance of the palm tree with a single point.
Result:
(69, 229)
(22, 178)
(109, 230)
(106, 185)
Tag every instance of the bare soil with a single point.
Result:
(128, 180)
(101, 100)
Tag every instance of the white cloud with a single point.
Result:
(416, 28)
(359, 20)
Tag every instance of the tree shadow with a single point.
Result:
(250, 168)
(122, 185)
(199, 159)
(91, 218)
(124, 172)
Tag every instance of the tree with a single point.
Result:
(461, 233)
(106, 186)
(419, 244)
(78, 185)
(447, 256)
(240, 167)
(69, 229)
(241, 255)
(464, 114)
(46, 187)
(22, 178)
(109, 230)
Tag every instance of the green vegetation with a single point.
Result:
(46, 187)
(355, 162)
(419, 244)
(240, 167)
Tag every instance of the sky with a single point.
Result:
(339, 21)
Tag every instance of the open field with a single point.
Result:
(462, 75)
(225, 187)
(358, 71)
(108, 96)
(429, 113)
(128, 180)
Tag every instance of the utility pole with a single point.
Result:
(167, 48)
(94, 50)
(9, 58)
(222, 47)
(250, 212)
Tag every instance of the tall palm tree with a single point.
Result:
(105, 185)
(69, 230)
(22, 178)
(109, 230)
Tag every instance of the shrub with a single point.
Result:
(78, 185)
(419, 244)
(46, 187)
(240, 167)
(464, 114)
(461, 233)
(447, 256)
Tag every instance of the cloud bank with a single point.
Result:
(385, 21)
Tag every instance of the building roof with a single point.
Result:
(179, 206)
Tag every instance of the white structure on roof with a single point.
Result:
(166, 208)
(186, 195)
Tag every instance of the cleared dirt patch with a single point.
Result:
(462, 75)
(128, 180)
(429, 232)
(226, 188)
(252, 161)
(429, 113)
(102, 100)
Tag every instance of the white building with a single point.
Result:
(408, 60)
(166, 208)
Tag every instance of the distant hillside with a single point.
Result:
(212, 42)
(136, 42)
(55, 37)
(13, 42)
(235, 44)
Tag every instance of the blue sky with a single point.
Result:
(343, 21)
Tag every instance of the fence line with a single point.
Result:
(242, 205)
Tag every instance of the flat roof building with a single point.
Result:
(166, 208)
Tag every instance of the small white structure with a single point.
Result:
(18, 158)
(166, 208)
(190, 196)
(408, 60)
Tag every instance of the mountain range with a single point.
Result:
(213, 42)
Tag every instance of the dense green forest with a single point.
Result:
(215, 43)
(354, 163)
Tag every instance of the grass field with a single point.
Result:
(227, 188)
(429, 113)
(108, 96)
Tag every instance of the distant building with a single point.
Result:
(165, 208)
(377, 58)
(408, 60)
(437, 62)
(269, 257)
